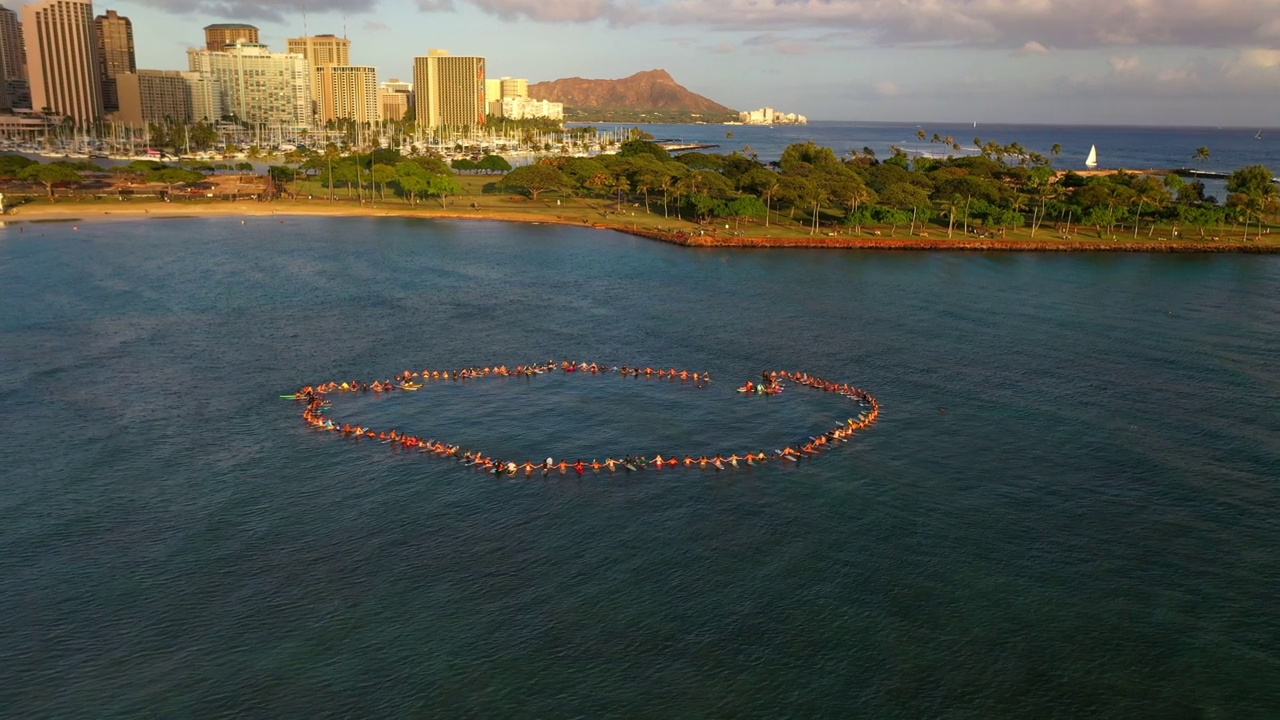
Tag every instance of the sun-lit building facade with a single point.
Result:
(449, 90)
(62, 58)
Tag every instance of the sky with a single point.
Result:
(1106, 62)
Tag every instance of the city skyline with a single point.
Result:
(1159, 62)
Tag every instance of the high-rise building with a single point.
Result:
(206, 98)
(12, 52)
(392, 105)
(341, 91)
(514, 88)
(15, 91)
(448, 90)
(62, 58)
(153, 96)
(346, 92)
(521, 108)
(220, 35)
(395, 97)
(258, 86)
(496, 89)
(397, 85)
(115, 48)
(322, 49)
(115, 54)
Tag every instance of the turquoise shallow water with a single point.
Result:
(1089, 529)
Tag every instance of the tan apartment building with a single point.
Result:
(392, 105)
(346, 92)
(449, 90)
(62, 58)
(157, 96)
(322, 49)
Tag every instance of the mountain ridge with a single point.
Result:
(648, 90)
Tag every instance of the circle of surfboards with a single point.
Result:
(316, 407)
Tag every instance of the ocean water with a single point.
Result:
(1129, 147)
(1070, 506)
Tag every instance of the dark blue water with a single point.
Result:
(1088, 530)
(1133, 148)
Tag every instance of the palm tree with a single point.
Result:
(331, 152)
(767, 188)
(951, 207)
(1202, 154)
(1146, 191)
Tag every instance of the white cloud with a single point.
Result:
(1125, 64)
(885, 88)
(1000, 23)
(1030, 48)
(780, 44)
(245, 10)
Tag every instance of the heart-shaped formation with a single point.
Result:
(317, 405)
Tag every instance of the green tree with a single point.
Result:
(1253, 193)
(281, 176)
(493, 164)
(442, 186)
(412, 180)
(49, 175)
(1254, 180)
(645, 173)
(534, 179)
(173, 176)
(331, 153)
(1147, 191)
(673, 173)
(1191, 193)
(383, 174)
(744, 207)
(809, 153)
(202, 136)
(633, 148)
(1041, 189)
(764, 183)
(11, 165)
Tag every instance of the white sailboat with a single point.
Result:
(1092, 160)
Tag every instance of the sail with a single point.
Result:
(1092, 160)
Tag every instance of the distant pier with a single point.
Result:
(681, 146)
(1210, 174)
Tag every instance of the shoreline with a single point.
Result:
(41, 212)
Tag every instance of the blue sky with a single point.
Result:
(1158, 62)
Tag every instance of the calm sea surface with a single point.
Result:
(1070, 508)
(1131, 147)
